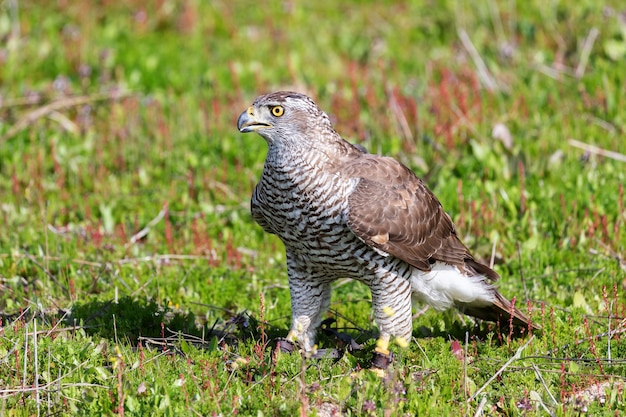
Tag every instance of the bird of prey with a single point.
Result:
(344, 213)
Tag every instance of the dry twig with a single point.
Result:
(55, 106)
(143, 232)
(517, 355)
(483, 72)
(586, 51)
(597, 150)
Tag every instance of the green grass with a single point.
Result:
(127, 244)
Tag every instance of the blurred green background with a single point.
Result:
(124, 189)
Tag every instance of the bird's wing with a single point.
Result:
(393, 211)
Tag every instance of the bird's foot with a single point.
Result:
(381, 361)
(382, 357)
(285, 346)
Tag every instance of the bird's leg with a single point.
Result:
(382, 345)
(392, 311)
(382, 356)
(309, 300)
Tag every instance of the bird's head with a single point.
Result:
(284, 118)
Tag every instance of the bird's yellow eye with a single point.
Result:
(277, 111)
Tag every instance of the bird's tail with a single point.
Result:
(502, 311)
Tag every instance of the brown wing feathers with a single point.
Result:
(392, 210)
(390, 200)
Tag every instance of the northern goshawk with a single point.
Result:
(345, 213)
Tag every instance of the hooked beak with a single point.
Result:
(248, 122)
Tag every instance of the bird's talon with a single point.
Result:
(381, 351)
(381, 373)
(382, 346)
(381, 360)
(285, 346)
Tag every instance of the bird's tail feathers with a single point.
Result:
(502, 311)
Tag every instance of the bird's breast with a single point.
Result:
(301, 206)
(308, 213)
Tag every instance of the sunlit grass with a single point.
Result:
(126, 238)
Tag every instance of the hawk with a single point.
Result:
(344, 213)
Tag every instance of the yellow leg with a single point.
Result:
(382, 345)
(382, 357)
(291, 336)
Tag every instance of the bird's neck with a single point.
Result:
(294, 159)
(310, 156)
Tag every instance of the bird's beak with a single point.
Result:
(248, 121)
